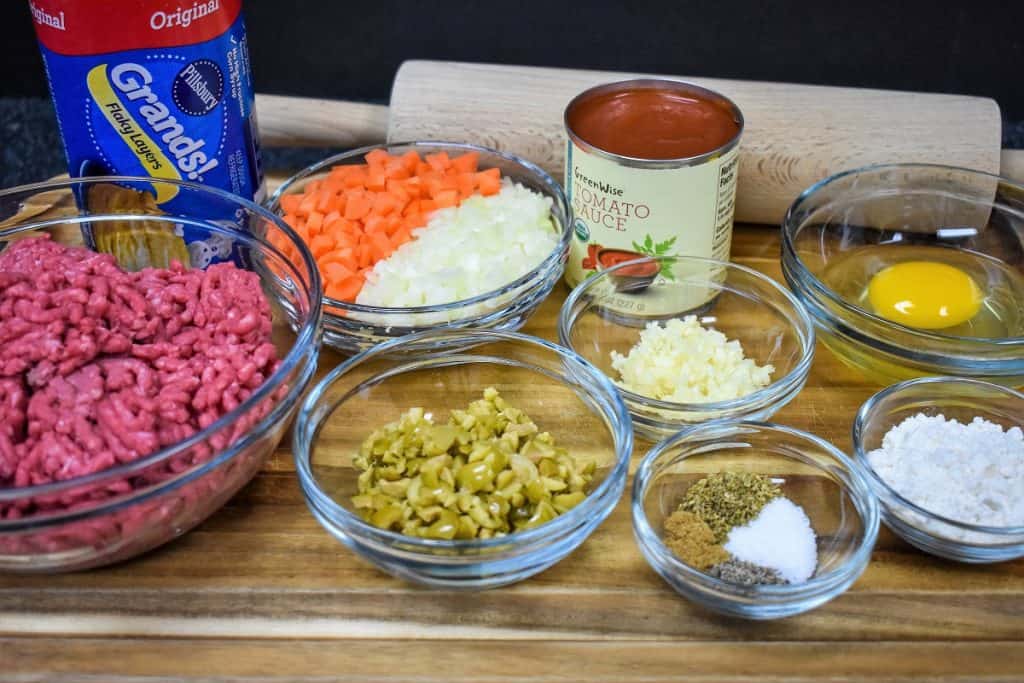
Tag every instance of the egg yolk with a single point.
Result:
(924, 294)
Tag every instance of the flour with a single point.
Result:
(971, 473)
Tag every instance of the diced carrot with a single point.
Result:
(414, 186)
(290, 202)
(346, 257)
(336, 272)
(392, 223)
(446, 198)
(376, 180)
(373, 223)
(330, 220)
(396, 169)
(364, 255)
(466, 163)
(396, 188)
(384, 203)
(308, 204)
(467, 184)
(380, 246)
(358, 205)
(410, 160)
(314, 222)
(357, 178)
(324, 199)
(489, 181)
(377, 157)
(401, 237)
(346, 290)
(320, 245)
(438, 161)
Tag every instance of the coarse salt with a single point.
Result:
(971, 473)
(779, 538)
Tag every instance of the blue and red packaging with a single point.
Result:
(157, 89)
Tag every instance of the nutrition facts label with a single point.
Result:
(724, 205)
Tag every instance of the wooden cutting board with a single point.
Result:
(260, 591)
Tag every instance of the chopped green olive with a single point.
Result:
(487, 472)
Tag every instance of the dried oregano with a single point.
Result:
(727, 499)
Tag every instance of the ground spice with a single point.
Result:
(692, 540)
(746, 573)
(727, 499)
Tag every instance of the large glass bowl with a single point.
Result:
(353, 327)
(560, 391)
(608, 311)
(911, 206)
(813, 473)
(118, 513)
(955, 399)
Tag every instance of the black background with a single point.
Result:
(348, 50)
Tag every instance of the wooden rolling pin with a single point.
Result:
(795, 135)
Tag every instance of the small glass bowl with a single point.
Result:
(560, 391)
(352, 327)
(955, 398)
(899, 207)
(812, 473)
(608, 311)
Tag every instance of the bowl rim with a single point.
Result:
(802, 273)
(307, 338)
(805, 331)
(309, 422)
(863, 418)
(814, 585)
(272, 204)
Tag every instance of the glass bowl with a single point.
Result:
(608, 311)
(352, 327)
(961, 213)
(117, 513)
(955, 398)
(811, 472)
(559, 390)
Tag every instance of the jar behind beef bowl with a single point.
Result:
(135, 401)
(489, 276)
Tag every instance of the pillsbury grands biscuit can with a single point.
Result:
(153, 88)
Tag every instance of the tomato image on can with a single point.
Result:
(153, 89)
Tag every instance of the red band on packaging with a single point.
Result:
(90, 27)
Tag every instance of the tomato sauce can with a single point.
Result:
(650, 170)
(160, 89)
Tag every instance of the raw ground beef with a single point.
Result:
(99, 366)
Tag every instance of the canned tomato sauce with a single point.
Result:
(650, 170)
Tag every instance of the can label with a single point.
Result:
(157, 89)
(652, 211)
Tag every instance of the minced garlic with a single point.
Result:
(683, 362)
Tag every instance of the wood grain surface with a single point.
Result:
(261, 592)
